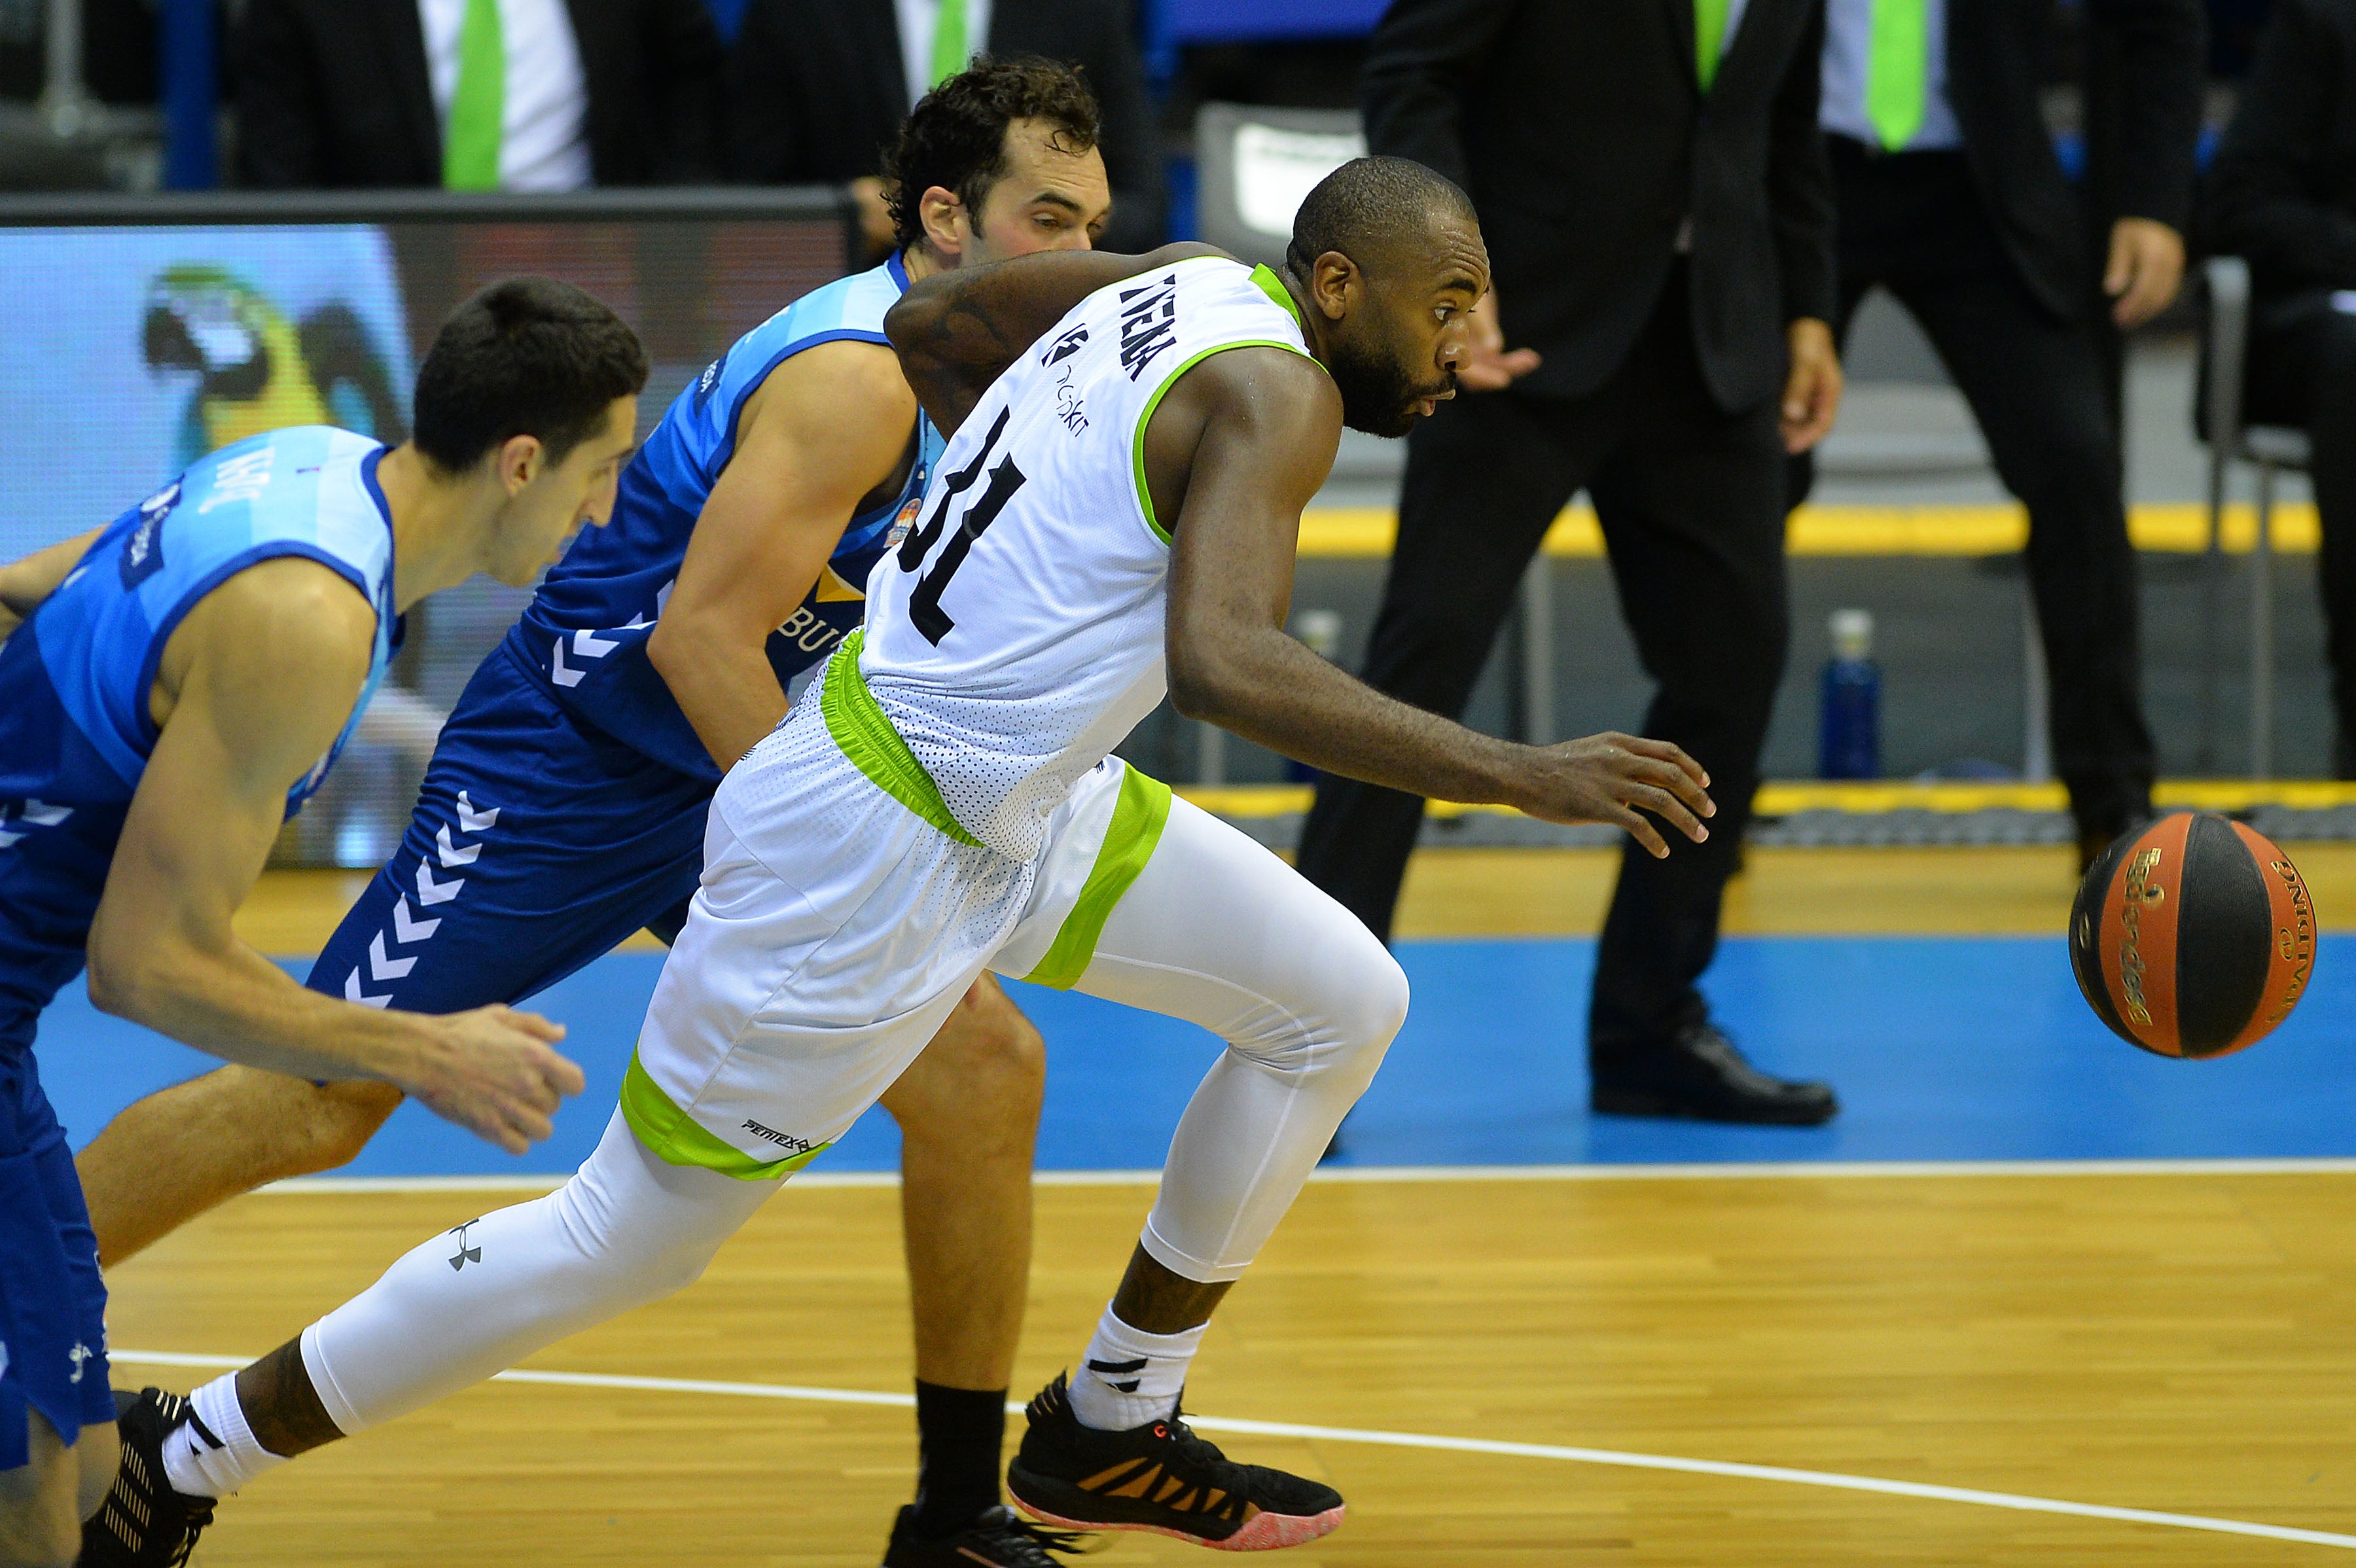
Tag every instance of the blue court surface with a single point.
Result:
(1943, 1048)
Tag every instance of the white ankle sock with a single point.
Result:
(1127, 1377)
(200, 1468)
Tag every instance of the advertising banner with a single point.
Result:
(130, 352)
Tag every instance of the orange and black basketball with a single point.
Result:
(2193, 937)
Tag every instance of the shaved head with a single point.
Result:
(1369, 208)
(1389, 255)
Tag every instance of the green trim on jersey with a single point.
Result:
(1139, 816)
(677, 1139)
(1273, 286)
(864, 733)
(1136, 452)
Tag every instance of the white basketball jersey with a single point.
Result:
(1014, 636)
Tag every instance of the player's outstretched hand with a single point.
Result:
(493, 1072)
(1617, 779)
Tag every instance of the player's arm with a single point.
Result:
(1234, 452)
(262, 674)
(826, 427)
(24, 583)
(956, 331)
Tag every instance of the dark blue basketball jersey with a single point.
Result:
(584, 634)
(75, 729)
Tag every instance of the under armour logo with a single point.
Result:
(78, 1354)
(465, 1255)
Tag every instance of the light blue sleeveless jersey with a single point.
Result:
(584, 634)
(75, 733)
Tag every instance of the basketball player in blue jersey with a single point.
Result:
(171, 688)
(564, 807)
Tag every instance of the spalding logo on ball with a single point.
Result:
(2193, 937)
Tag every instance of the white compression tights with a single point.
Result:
(1215, 930)
(625, 1230)
(1218, 931)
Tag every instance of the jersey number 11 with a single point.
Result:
(925, 603)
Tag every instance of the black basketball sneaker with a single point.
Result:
(996, 1540)
(143, 1523)
(1162, 1479)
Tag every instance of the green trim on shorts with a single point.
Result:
(1137, 446)
(864, 733)
(677, 1139)
(1138, 818)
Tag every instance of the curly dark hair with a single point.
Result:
(955, 138)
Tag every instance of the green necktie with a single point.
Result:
(949, 41)
(1898, 69)
(470, 145)
(1710, 37)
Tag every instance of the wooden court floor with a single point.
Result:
(2182, 1343)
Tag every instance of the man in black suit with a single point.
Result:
(818, 89)
(2282, 194)
(1950, 196)
(366, 93)
(1653, 189)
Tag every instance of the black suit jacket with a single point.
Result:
(817, 92)
(1580, 130)
(2156, 55)
(2282, 191)
(335, 93)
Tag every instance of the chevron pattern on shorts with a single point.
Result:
(26, 815)
(385, 965)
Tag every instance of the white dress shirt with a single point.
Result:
(1848, 46)
(918, 19)
(544, 116)
(1734, 10)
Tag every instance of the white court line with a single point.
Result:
(1777, 1170)
(1413, 1440)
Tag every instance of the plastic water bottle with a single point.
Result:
(1850, 739)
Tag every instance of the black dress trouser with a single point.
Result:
(1913, 224)
(2303, 371)
(1691, 500)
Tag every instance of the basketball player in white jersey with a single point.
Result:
(758, 503)
(1121, 502)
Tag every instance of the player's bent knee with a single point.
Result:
(1342, 1027)
(1368, 990)
(1388, 998)
(628, 1250)
(280, 1126)
(345, 1117)
(988, 1033)
(672, 1264)
(1378, 1010)
(987, 1068)
(667, 1273)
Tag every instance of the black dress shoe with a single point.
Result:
(1700, 1077)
